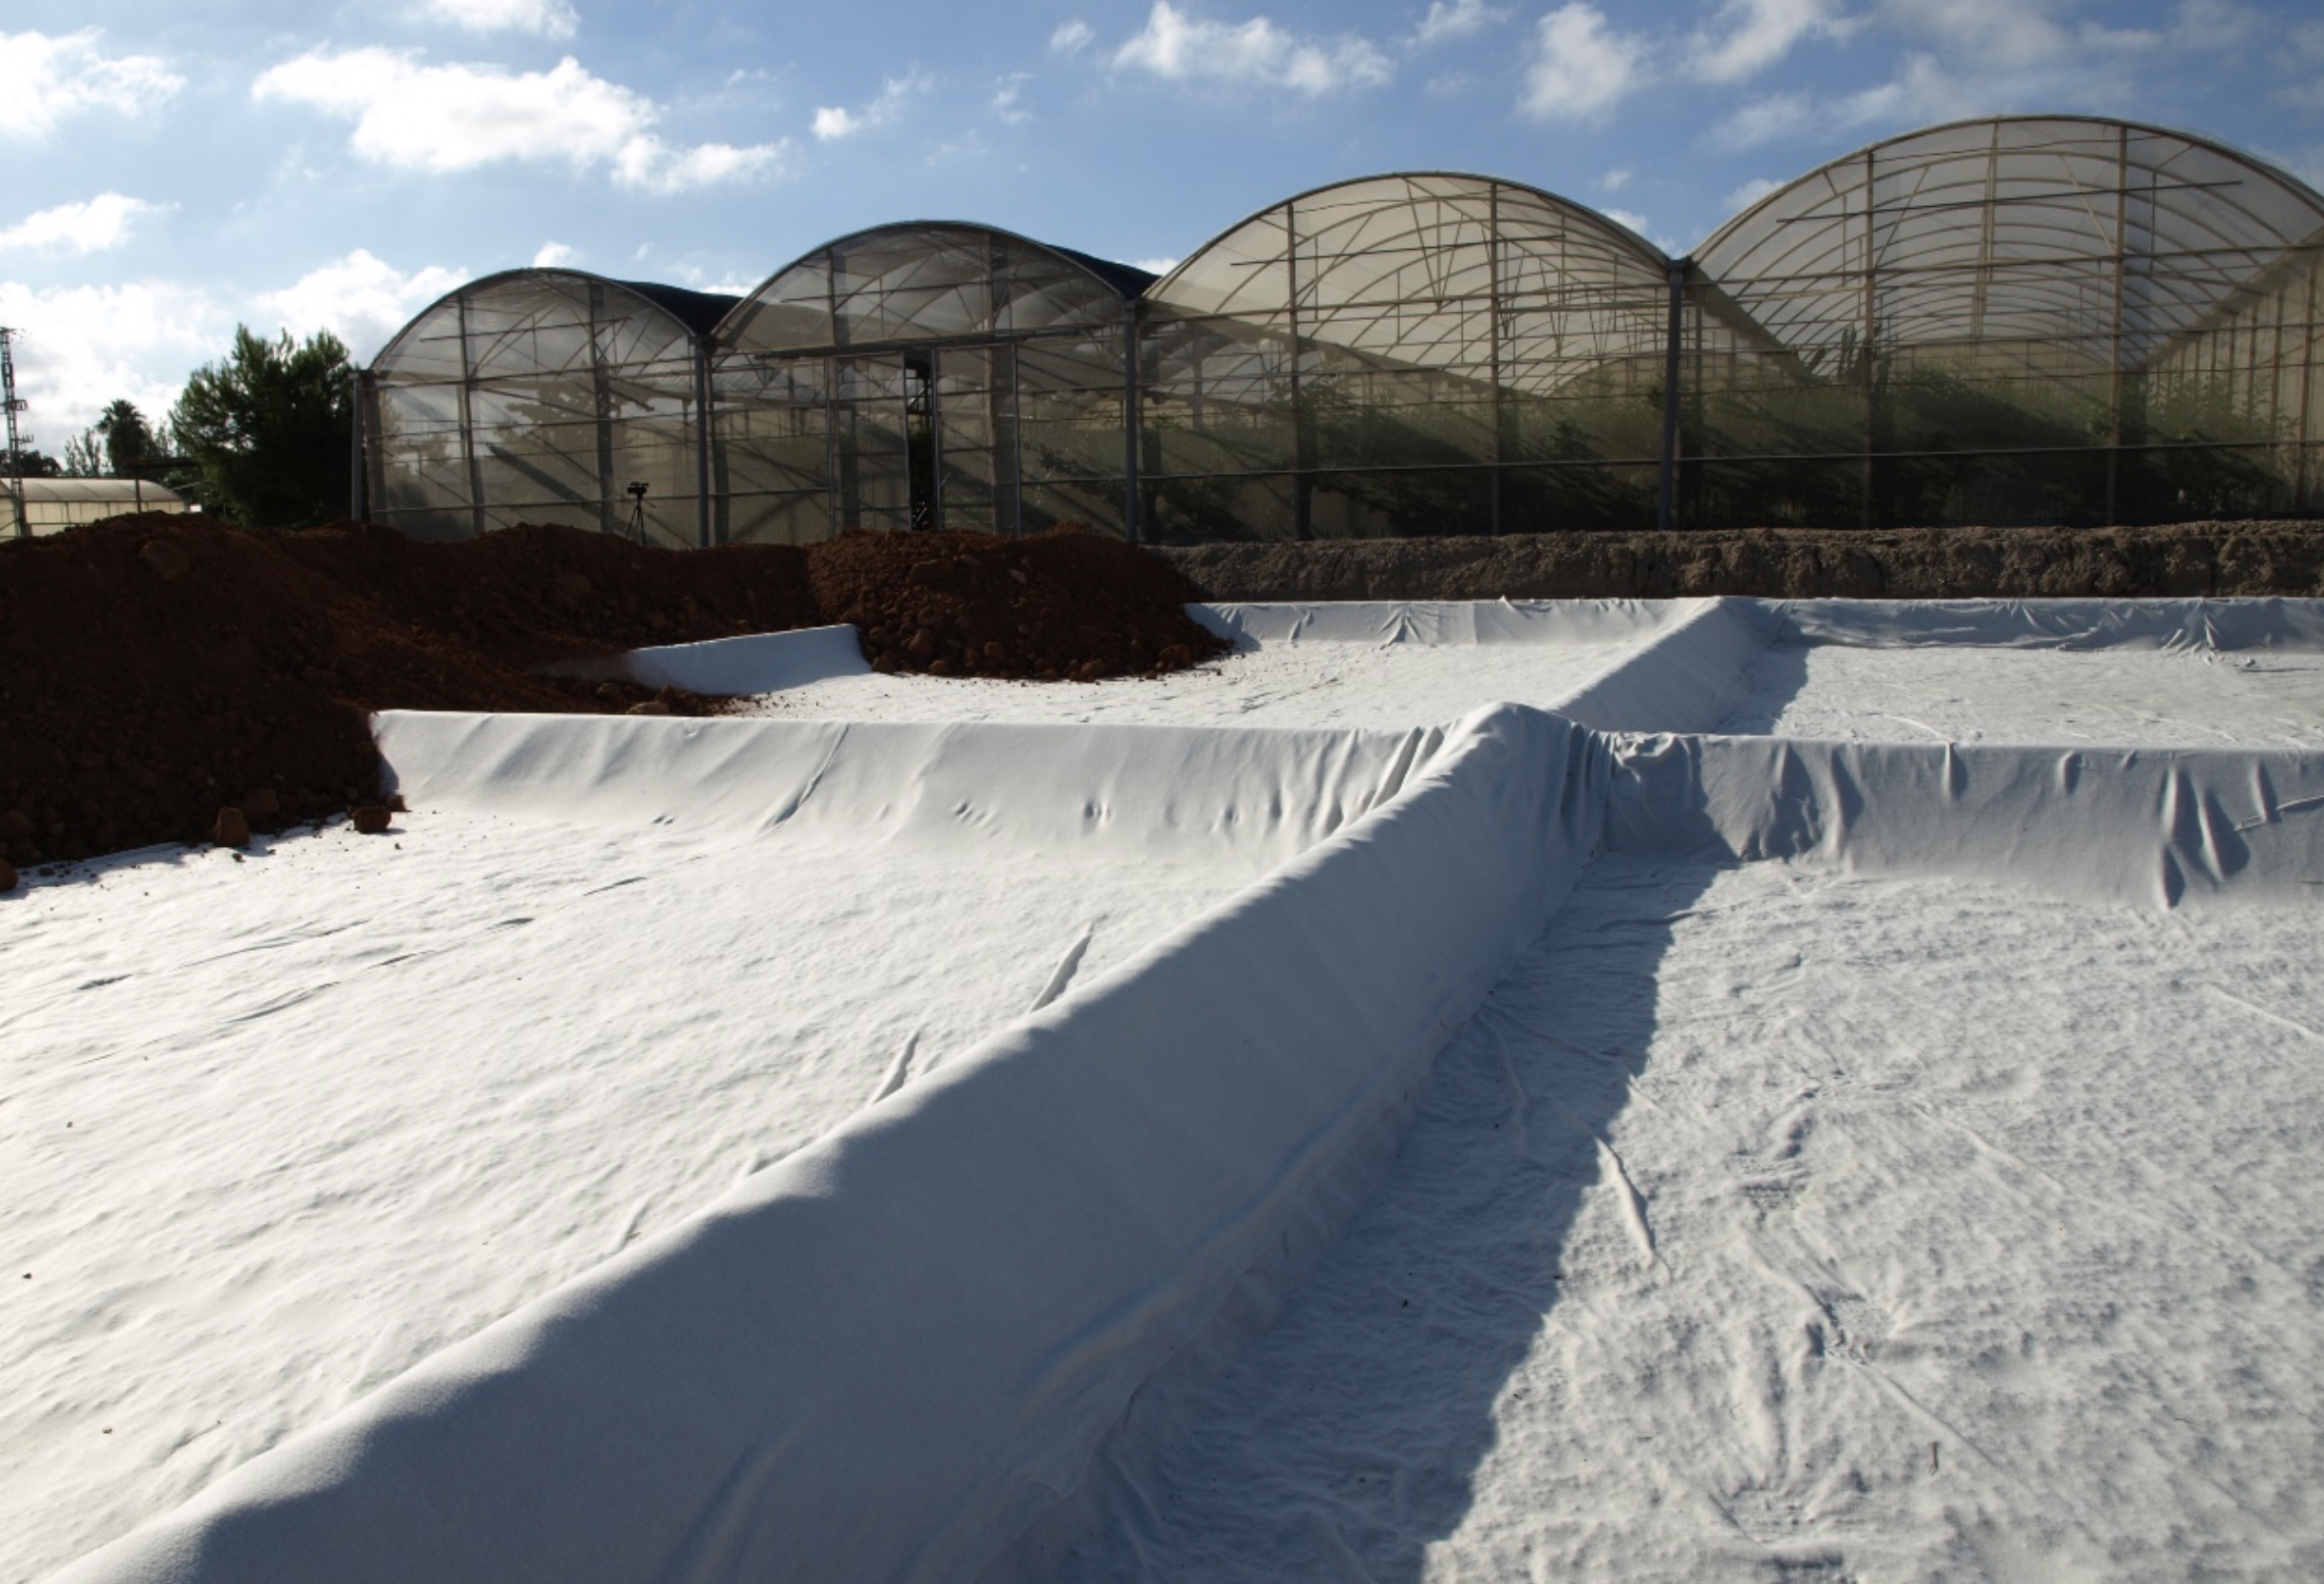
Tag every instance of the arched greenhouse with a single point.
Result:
(543, 395)
(926, 375)
(2018, 319)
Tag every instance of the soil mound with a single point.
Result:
(2210, 560)
(1063, 605)
(156, 670)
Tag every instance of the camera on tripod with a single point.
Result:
(637, 510)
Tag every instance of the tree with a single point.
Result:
(128, 439)
(270, 428)
(31, 464)
(83, 459)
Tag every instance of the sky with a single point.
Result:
(178, 169)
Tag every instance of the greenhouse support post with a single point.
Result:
(1131, 421)
(355, 446)
(701, 441)
(1666, 491)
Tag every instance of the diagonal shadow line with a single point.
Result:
(1346, 1440)
(1778, 674)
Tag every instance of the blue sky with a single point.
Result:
(175, 169)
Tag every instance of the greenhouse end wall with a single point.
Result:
(926, 376)
(2012, 320)
(538, 396)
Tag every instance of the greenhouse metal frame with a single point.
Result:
(2038, 319)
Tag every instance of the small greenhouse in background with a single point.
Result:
(32, 507)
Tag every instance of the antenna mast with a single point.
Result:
(17, 440)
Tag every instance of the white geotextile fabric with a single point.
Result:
(1258, 794)
(1444, 621)
(761, 663)
(1684, 678)
(888, 1354)
(2143, 827)
(2167, 623)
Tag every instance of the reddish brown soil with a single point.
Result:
(1059, 606)
(2202, 558)
(156, 670)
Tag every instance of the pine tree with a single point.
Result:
(269, 429)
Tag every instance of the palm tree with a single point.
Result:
(128, 439)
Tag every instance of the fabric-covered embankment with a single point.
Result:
(888, 1354)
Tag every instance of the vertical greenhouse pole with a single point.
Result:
(1492, 325)
(1300, 526)
(837, 367)
(2306, 448)
(1131, 422)
(935, 423)
(467, 413)
(1492, 351)
(601, 390)
(2115, 353)
(1863, 347)
(355, 448)
(699, 346)
(1667, 492)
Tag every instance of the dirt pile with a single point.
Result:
(2194, 558)
(1054, 606)
(157, 671)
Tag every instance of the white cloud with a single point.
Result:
(1767, 120)
(1630, 217)
(459, 117)
(1927, 92)
(1155, 265)
(1747, 36)
(1005, 94)
(2219, 24)
(552, 19)
(1183, 47)
(1750, 193)
(832, 123)
(52, 77)
(1977, 57)
(653, 165)
(1614, 180)
(556, 255)
(102, 222)
(694, 279)
(360, 299)
(86, 346)
(1580, 70)
(1071, 38)
(2014, 36)
(1457, 20)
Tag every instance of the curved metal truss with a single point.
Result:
(541, 394)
